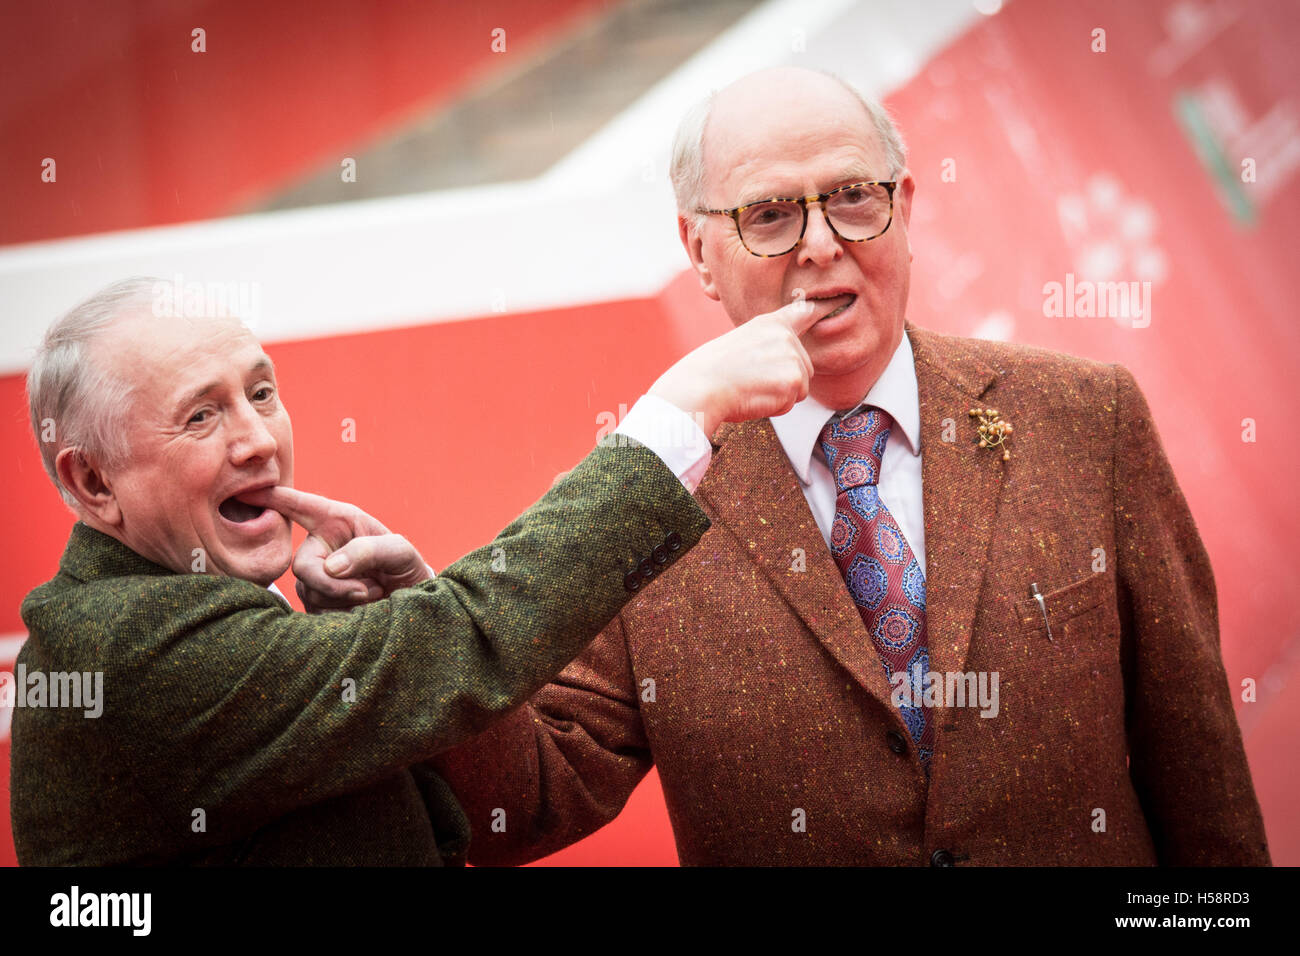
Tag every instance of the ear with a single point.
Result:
(903, 200)
(694, 244)
(82, 477)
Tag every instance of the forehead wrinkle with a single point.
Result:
(792, 180)
(857, 171)
(763, 120)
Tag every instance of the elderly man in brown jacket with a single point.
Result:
(952, 608)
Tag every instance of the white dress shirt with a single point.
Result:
(671, 434)
(900, 472)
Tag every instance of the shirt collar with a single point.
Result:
(278, 593)
(894, 391)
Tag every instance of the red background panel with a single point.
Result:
(145, 132)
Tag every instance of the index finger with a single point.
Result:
(300, 507)
(798, 316)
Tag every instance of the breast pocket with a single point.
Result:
(1070, 688)
(1077, 615)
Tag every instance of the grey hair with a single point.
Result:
(687, 167)
(74, 402)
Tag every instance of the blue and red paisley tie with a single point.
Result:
(881, 572)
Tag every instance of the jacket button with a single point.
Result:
(673, 541)
(896, 742)
(632, 581)
(660, 554)
(647, 569)
(941, 858)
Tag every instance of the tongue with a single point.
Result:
(235, 510)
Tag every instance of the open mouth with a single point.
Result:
(232, 509)
(838, 304)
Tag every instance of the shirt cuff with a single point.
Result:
(671, 434)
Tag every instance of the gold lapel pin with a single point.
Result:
(994, 431)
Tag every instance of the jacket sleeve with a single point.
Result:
(1187, 761)
(560, 767)
(247, 710)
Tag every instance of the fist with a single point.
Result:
(756, 370)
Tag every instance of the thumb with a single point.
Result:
(377, 555)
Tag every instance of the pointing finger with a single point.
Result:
(334, 521)
(300, 507)
(798, 316)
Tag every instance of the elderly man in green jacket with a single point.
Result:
(233, 730)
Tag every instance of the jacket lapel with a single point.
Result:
(961, 485)
(751, 490)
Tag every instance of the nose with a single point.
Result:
(251, 440)
(820, 245)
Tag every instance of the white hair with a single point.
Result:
(73, 400)
(687, 168)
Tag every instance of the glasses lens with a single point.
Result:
(770, 228)
(859, 212)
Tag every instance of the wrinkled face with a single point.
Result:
(790, 134)
(206, 426)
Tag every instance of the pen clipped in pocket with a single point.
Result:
(1062, 613)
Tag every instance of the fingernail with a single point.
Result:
(337, 563)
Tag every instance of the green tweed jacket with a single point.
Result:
(236, 731)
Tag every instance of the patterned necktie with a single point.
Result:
(883, 576)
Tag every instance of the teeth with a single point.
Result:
(838, 309)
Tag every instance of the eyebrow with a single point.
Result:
(263, 364)
(856, 173)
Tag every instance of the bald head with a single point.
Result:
(780, 95)
(721, 129)
(146, 350)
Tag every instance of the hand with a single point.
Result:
(756, 370)
(349, 558)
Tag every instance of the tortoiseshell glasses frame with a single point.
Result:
(831, 210)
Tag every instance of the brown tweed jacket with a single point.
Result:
(754, 688)
(235, 731)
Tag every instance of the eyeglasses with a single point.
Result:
(773, 227)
